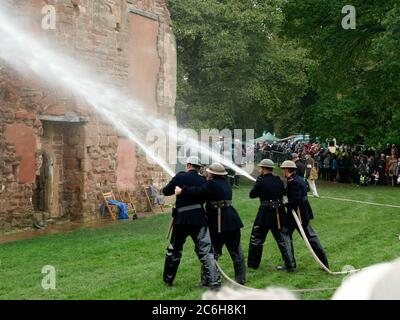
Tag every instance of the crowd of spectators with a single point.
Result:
(358, 164)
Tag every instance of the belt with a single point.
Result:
(221, 204)
(272, 203)
(275, 204)
(188, 208)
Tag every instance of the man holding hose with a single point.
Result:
(223, 219)
(189, 219)
(296, 192)
(271, 216)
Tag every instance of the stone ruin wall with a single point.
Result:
(87, 157)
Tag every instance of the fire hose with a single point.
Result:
(308, 245)
(303, 235)
(262, 290)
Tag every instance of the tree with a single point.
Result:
(355, 74)
(234, 71)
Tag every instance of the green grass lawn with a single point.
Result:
(125, 261)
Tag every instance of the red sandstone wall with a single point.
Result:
(88, 158)
(144, 63)
(127, 164)
(24, 140)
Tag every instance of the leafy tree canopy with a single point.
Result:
(234, 71)
(289, 66)
(356, 74)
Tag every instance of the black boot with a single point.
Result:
(286, 268)
(257, 240)
(285, 246)
(287, 250)
(203, 278)
(254, 258)
(206, 257)
(319, 251)
(171, 265)
(316, 245)
(239, 266)
(211, 273)
(324, 259)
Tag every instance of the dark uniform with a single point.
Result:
(271, 216)
(301, 168)
(223, 220)
(189, 220)
(297, 200)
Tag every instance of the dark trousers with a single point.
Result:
(201, 238)
(346, 175)
(282, 238)
(236, 180)
(313, 239)
(381, 179)
(325, 173)
(356, 177)
(231, 239)
(333, 174)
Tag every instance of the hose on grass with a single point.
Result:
(226, 277)
(308, 245)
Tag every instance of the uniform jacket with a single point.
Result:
(301, 168)
(296, 192)
(213, 190)
(269, 188)
(192, 217)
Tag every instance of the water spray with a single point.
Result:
(24, 52)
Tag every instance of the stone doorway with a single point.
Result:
(43, 184)
(61, 178)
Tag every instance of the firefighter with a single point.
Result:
(271, 216)
(223, 219)
(296, 192)
(189, 219)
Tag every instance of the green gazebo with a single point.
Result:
(267, 137)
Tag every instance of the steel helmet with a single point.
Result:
(217, 169)
(288, 164)
(266, 163)
(194, 161)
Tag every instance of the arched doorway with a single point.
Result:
(41, 192)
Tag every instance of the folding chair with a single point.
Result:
(146, 192)
(126, 198)
(119, 196)
(130, 202)
(110, 196)
(151, 193)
